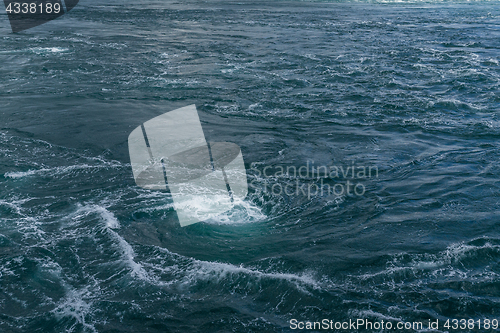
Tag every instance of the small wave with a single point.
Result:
(44, 50)
(56, 171)
(205, 270)
(456, 260)
(415, 1)
(189, 272)
(111, 222)
(129, 255)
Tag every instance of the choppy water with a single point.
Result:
(409, 88)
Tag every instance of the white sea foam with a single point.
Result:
(75, 306)
(6, 271)
(21, 174)
(14, 204)
(202, 205)
(243, 212)
(108, 217)
(373, 314)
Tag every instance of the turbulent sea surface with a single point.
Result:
(409, 88)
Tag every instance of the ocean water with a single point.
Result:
(410, 89)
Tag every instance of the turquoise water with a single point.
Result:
(408, 89)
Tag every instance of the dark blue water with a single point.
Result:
(409, 89)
